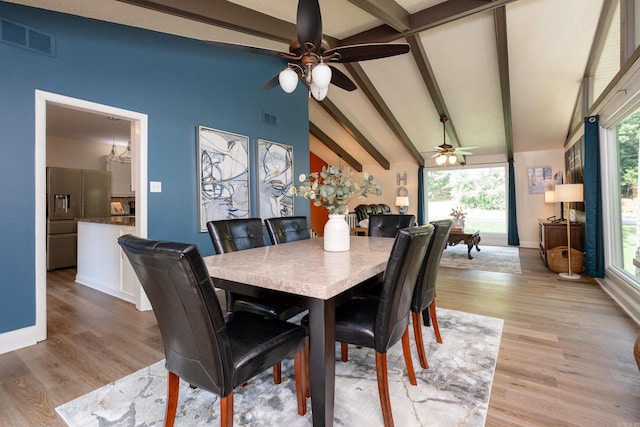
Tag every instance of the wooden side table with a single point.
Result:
(359, 231)
(470, 238)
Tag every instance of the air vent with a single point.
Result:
(26, 37)
(269, 119)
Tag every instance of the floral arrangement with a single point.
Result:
(332, 188)
(458, 213)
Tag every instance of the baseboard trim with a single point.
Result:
(20, 338)
(623, 293)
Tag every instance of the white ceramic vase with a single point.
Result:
(336, 234)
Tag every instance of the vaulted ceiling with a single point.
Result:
(506, 73)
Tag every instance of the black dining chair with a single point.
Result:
(388, 225)
(230, 235)
(288, 229)
(380, 322)
(424, 295)
(208, 350)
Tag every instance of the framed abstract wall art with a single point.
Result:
(223, 175)
(540, 180)
(275, 178)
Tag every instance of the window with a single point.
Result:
(480, 191)
(627, 142)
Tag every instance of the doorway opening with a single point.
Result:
(139, 141)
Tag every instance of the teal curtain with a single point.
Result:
(512, 220)
(422, 217)
(593, 234)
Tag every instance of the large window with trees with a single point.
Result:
(481, 193)
(627, 138)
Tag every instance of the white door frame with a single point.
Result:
(139, 141)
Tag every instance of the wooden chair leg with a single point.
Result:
(226, 411)
(307, 392)
(406, 350)
(383, 388)
(301, 387)
(434, 321)
(173, 388)
(417, 333)
(344, 351)
(277, 373)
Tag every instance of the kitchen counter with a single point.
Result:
(114, 220)
(101, 263)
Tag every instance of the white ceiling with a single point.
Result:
(548, 47)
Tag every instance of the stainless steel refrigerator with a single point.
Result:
(72, 194)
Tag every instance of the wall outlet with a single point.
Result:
(155, 186)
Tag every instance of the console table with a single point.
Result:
(470, 238)
(554, 234)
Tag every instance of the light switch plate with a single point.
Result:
(155, 186)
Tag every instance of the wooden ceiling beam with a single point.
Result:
(430, 17)
(500, 20)
(353, 130)
(225, 14)
(429, 79)
(334, 146)
(388, 11)
(362, 80)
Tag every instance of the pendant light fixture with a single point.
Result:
(112, 157)
(317, 77)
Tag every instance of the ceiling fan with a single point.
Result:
(309, 53)
(447, 152)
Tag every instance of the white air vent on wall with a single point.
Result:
(26, 37)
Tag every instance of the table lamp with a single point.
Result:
(402, 202)
(569, 193)
(550, 197)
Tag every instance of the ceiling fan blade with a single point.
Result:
(341, 80)
(275, 81)
(436, 155)
(309, 22)
(468, 147)
(462, 153)
(365, 52)
(244, 48)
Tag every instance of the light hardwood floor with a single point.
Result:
(566, 356)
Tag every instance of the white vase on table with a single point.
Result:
(337, 234)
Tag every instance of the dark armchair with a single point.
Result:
(364, 211)
(288, 229)
(203, 347)
(388, 225)
(232, 235)
(424, 297)
(379, 323)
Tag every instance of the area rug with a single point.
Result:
(502, 259)
(454, 391)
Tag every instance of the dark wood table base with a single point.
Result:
(471, 239)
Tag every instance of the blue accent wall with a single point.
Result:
(179, 83)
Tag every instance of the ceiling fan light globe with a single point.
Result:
(441, 159)
(453, 159)
(319, 93)
(321, 75)
(288, 80)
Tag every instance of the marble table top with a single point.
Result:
(303, 267)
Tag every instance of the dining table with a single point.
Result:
(302, 273)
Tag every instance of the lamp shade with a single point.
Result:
(549, 196)
(319, 93)
(569, 193)
(402, 201)
(288, 80)
(321, 75)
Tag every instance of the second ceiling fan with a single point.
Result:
(309, 54)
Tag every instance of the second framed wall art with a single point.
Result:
(275, 178)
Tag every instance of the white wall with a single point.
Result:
(81, 154)
(530, 207)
